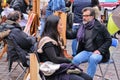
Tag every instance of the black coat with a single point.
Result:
(100, 38)
(18, 42)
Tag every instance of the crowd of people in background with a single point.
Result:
(91, 40)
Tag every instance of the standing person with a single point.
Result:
(49, 9)
(97, 8)
(20, 5)
(55, 5)
(94, 41)
(78, 5)
(43, 6)
(50, 49)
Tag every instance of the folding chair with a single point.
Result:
(15, 58)
(18, 64)
(111, 61)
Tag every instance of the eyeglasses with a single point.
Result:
(86, 15)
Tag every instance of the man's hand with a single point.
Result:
(96, 52)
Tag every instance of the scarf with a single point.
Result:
(83, 27)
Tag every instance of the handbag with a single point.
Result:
(48, 68)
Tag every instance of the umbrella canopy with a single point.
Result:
(114, 21)
(116, 16)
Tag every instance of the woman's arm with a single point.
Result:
(49, 49)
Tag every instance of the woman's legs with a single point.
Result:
(85, 76)
(75, 77)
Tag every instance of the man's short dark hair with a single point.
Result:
(14, 16)
(92, 11)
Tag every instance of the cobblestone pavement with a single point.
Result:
(110, 75)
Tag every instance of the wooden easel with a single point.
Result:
(33, 20)
(31, 29)
(4, 50)
(63, 17)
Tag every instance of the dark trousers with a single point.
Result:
(82, 76)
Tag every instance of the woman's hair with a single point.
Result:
(51, 27)
(14, 16)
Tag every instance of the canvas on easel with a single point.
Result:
(29, 23)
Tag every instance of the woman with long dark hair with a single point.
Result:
(50, 49)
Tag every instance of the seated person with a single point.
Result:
(19, 43)
(50, 49)
(94, 41)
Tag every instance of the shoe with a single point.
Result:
(75, 71)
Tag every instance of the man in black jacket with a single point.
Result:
(94, 41)
(18, 42)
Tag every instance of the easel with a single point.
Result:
(63, 17)
(33, 20)
(31, 29)
(4, 49)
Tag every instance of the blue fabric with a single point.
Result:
(55, 5)
(114, 42)
(92, 59)
(74, 42)
(74, 47)
(78, 5)
(42, 21)
(108, 0)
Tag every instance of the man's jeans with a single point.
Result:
(74, 42)
(91, 58)
(42, 24)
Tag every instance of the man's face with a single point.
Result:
(87, 17)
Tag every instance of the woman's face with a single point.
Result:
(60, 27)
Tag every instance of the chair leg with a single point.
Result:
(21, 73)
(20, 65)
(103, 77)
(101, 70)
(103, 74)
(116, 70)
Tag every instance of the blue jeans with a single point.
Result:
(42, 21)
(74, 42)
(92, 59)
